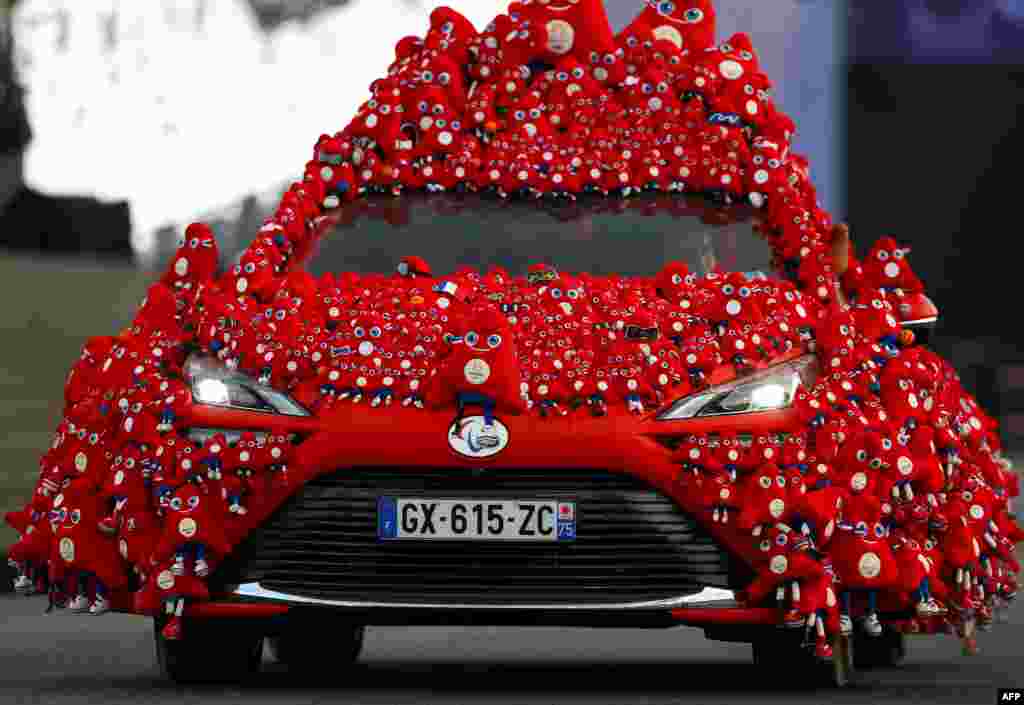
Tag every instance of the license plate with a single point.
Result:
(475, 519)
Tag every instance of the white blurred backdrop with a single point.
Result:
(184, 107)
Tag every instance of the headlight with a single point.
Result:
(771, 389)
(215, 384)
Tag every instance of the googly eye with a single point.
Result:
(765, 545)
(781, 540)
(176, 504)
(883, 255)
(493, 340)
(193, 501)
(693, 15)
(765, 482)
(472, 338)
(375, 332)
(780, 481)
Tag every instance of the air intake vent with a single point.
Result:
(633, 544)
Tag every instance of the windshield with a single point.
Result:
(636, 239)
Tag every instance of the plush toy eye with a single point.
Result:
(726, 48)
(780, 481)
(441, 123)
(774, 163)
(176, 504)
(781, 539)
(746, 55)
(745, 291)
(728, 289)
(883, 255)
(193, 501)
(444, 78)
(609, 59)
(456, 125)
(862, 455)
(250, 268)
(967, 495)
(766, 545)
(424, 106)
(693, 15)
(438, 109)
(493, 340)
(280, 315)
(648, 88)
(886, 444)
(427, 76)
(472, 338)
(875, 464)
(765, 482)
(879, 530)
(556, 293)
(520, 115)
(360, 332)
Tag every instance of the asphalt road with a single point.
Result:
(62, 659)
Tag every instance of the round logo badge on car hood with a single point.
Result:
(471, 437)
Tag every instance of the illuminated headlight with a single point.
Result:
(214, 384)
(768, 390)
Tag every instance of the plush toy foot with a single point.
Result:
(935, 609)
(970, 646)
(79, 604)
(823, 650)
(845, 624)
(172, 630)
(794, 619)
(22, 585)
(871, 625)
(202, 568)
(100, 606)
(237, 509)
(178, 568)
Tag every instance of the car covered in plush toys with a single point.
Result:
(554, 331)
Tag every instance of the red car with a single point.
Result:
(400, 515)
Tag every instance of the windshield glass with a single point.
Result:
(636, 239)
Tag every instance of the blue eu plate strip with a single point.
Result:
(387, 518)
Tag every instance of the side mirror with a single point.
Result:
(919, 315)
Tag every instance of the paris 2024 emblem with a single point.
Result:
(472, 437)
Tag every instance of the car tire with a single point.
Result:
(317, 644)
(210, 651)
(887, 650)
(782, 655)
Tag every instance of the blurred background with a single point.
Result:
(123, 120)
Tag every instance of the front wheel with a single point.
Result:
(210, 651)
(317, 644)
(887, 650)
(783, 654)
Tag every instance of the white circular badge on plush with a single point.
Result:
(81, 461)
(477, 371)
(119, 477)
(730, 69)
(187, 527)
(977, 511)
(366, 348)
(778, 564)
(244, 456)
(733, 308)
(67, 549)
(181, 266)
(892, 270)
(776, 507)
(725, 493)
(859, 481)
(165, 581)
(869, 565)
(561, 37)
(905, 465)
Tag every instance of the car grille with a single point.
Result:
(633, 544)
